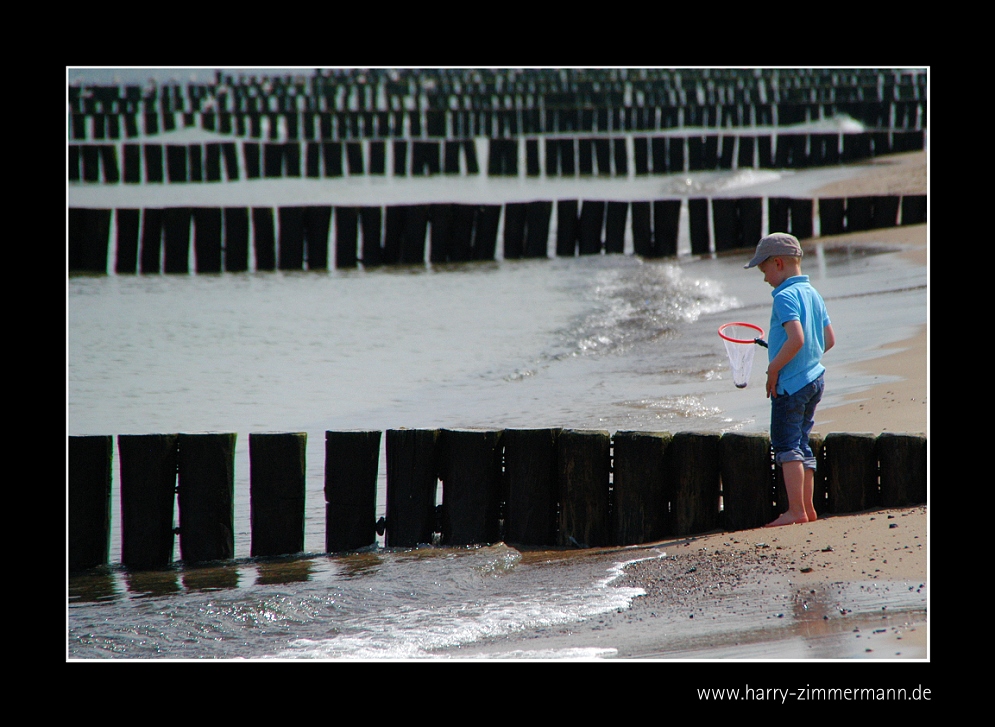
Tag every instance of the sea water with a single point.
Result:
(610, 342)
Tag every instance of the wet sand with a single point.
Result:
(843, 588)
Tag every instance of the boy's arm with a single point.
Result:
(829, 336)
(796, 339)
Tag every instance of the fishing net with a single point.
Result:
(740, 340)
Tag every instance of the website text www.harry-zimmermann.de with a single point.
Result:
(809, 693)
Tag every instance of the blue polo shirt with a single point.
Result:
(796, 300)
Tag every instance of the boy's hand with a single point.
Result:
(772, 383)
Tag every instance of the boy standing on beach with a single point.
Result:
(800, 332)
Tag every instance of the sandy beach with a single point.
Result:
(842, 588)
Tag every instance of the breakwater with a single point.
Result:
(553, 156)
(341, 104)
(319, 237)
(541, 487)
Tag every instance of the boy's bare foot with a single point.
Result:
(787, 519)
(811, 516)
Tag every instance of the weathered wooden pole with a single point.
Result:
(412, 480)
(236, 246)
(352, 460)
(132, 163)
(832, 211)
(537, 229)
(176, 239)
(230, 154)
(291, 237)
(153, 162)
(207, 496)
(532, 157)
(666, 224)
(470, 470)
(371, 223)
(851, 472)
(725, 222)
(642, 228)
(591, 224)
(412, 242)
(276, 492)
(148, 496)
(747, 468)
(695, 471)
(902, 459)
(514, 230)
(640, 153)
(89, 236)
(913, 209)
(485, 228)
(207, 239)
(346, 237)
(859, 213)
(616, 218)
(639, 503)
(584, 467)
(620, 154)
(317, 226)
(698, 222)
(531, 482)
(212, 162)
(567, 227)
(779, 215)
(264, 238)
(128, 225)
(89, 501)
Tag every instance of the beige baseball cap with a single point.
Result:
(775, 244)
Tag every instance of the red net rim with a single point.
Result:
(758, 329)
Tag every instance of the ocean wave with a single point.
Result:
(643, 302)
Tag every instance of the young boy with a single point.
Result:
(800, 332)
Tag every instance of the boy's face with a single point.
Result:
(773, 270)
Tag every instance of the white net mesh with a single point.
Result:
(740, 354)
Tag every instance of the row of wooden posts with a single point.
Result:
(156, 240)
(555, 157)
(530, 487)
(308, 123)
(450, 88)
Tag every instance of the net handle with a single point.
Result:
(759, 339)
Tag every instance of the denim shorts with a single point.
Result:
(791, 419)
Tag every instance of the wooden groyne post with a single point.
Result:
(584, 470)
(277, 467)
(851, 472)
(695, 476)
(530, 471)
(206, 496)
(412, 480)
(89, 501)
(470, 470)
(640, 512)
(352, 461)
(148, 498)
(747, 471)
(902, 462)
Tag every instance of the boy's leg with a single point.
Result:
(792, 418)
(809, 421)
(795, 479)
(808, 495)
